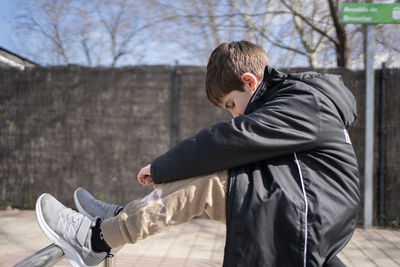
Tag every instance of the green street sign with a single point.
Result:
(370, 13)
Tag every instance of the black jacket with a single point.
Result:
(293, 195)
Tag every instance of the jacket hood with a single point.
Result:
(330, 85)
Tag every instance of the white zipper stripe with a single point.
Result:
(306, 212)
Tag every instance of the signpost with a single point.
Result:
(369, 13)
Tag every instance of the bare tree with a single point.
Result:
(117, 32)
(197, 25)
(120, 24)
(308, 22)
(51, 22)
(340, 42)
(84, 33)
(204, 24)
(93, 32)
(200, 25)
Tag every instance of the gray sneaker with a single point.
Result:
(68, 229)
(91, 207)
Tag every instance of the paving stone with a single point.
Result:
(385, 241)
(371, 249)
(195, 244)
(345, 260)
(390, 235)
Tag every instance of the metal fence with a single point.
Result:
(50, 255)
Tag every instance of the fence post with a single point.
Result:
(176, 81)
(369, 127)
(382, 146)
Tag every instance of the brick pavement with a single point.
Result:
(198, 243)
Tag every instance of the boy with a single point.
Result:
(290, 196)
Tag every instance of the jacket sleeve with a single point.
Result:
(287, 123)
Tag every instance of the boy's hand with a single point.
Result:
(144, 176)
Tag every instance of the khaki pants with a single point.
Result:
(169, 204)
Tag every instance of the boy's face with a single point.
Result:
(236, 101)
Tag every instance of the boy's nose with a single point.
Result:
(234, 113)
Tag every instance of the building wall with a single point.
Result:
(65, 127)
(8, 59)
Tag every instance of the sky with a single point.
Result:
(165, 54)
(156, 54)
(6, 18)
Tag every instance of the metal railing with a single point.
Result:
(50, 255)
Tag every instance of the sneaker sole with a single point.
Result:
(78, 205)
(70, 252)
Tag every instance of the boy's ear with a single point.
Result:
(251, 80)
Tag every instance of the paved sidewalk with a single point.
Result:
(195, 244)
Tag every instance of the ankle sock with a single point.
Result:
(98, 242)
(118, 210)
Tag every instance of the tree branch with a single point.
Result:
(306, 20)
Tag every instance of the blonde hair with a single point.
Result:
(226, 65)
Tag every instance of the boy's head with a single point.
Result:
(230, 68)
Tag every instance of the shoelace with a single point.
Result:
(69, 222)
